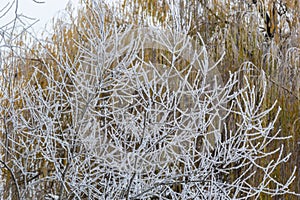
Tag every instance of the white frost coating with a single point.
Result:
(115, 125)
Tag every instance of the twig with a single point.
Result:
(13, 177)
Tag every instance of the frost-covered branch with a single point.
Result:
(137, 113)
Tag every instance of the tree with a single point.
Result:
(108, 110)
(13, 26)
(265, 33)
